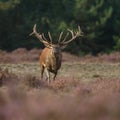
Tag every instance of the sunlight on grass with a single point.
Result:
(77, 70)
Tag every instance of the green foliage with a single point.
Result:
(8, 4)
(99, 20)
(116, 28)
(94, 17)
(117, 41)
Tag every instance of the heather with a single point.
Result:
(86, 88)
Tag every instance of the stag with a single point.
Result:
(51, 56)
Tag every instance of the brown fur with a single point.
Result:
(51, 61)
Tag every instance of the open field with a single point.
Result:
(86, 88)
(75, 70)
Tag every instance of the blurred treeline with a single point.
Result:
(99, 20)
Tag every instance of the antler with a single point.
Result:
(73, 34)
(41, 37)
(50, 37)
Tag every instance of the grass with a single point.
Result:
(76, 70)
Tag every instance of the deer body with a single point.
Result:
(51, 56)
(50, 61)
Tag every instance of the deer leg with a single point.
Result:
(48, 75)
(42, 71)
(55, 76)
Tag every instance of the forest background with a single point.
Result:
(99, 20)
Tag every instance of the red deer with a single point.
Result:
(51, 56)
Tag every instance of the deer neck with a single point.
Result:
(56, 60)
(55, 57)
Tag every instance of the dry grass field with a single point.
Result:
(86, 88)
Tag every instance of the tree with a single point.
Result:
(6, 22)
(116, 23)
(99, 20)
(94, 16)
